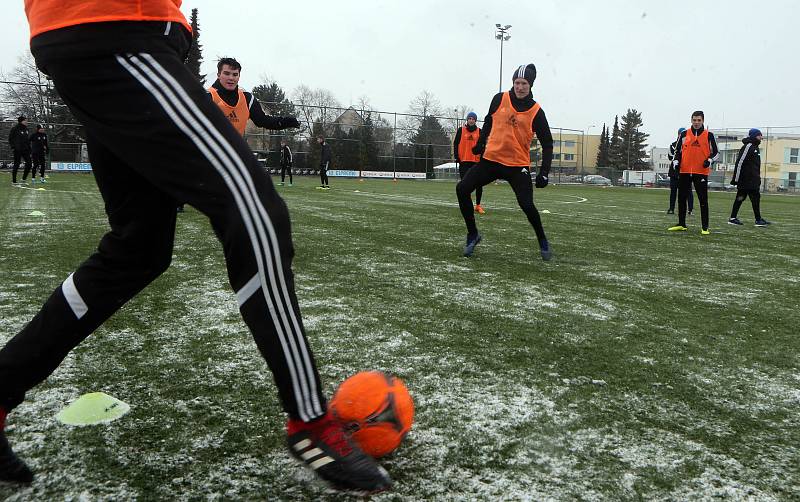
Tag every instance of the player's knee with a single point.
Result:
(461, 190)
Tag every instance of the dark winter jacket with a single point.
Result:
(747, 173)
(19, 139)
(326, 156)
(39, 143)
(673, 172)
(286, 156)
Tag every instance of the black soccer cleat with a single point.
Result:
(471, 243)
(12, 469)
(544, 249)
(323, 447)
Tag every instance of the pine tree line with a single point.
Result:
(625, 146)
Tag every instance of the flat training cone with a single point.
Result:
(545, 211)
(41, 189)
(36, 213)
(93, 408)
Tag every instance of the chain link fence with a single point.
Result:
(400, 145)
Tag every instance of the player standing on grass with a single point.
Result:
(154, 137)
(513, 120)
(747, 178)
(39, 151)
(696, 151)
(325, 157)
(20, 144)
(466, 139)
(286, 161)
(674, 176)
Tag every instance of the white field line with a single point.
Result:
(438, 202)
(57, 191)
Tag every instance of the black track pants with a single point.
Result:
(463, 168)
(154, 138)
(700, 182)
(483, 173)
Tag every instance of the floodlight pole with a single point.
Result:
(502, 35)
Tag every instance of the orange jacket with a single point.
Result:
(47, 15)
(509, 142)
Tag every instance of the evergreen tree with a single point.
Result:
(602, 150)
(195, 56)
(633, 141)
(615, 146)
(430, 142)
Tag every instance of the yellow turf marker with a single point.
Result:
(41, 189)
(36, 213)
(545, 211)
(93, 408)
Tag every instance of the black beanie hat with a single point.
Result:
(21, 118)
(528, 72)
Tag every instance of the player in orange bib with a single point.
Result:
(240, 106)
(465, 141)
(508, 129)
(695, 153)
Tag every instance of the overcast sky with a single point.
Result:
(739, 61)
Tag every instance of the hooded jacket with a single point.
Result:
(747, 173)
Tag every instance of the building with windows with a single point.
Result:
(573, 152)
(659, 159)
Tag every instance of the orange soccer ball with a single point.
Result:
(376, 409)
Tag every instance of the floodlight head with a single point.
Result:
(508, 26)
(498, 25)
(506, 37)
(498, 36)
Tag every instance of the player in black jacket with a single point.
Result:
(747, 178)
(674, 177)
(324, 163)
(286, 162)
(39, 149)
(20, 142)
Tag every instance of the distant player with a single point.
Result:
(153, 137)
(20, 143)
(696, 152)
(747, 178)
(514, 118)
(673, 174)
(465, 141)
(325, 157)
(286, 162)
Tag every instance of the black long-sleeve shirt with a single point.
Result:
(39, 143)
(711, 140)
(326, 156)
(257, 114)
(540, 126)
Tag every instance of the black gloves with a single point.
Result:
(706, 163)
(479, 148)
(734, 182)
(541, 180)
(290, 122)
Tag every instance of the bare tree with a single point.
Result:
(315, 105)
(27, 91)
